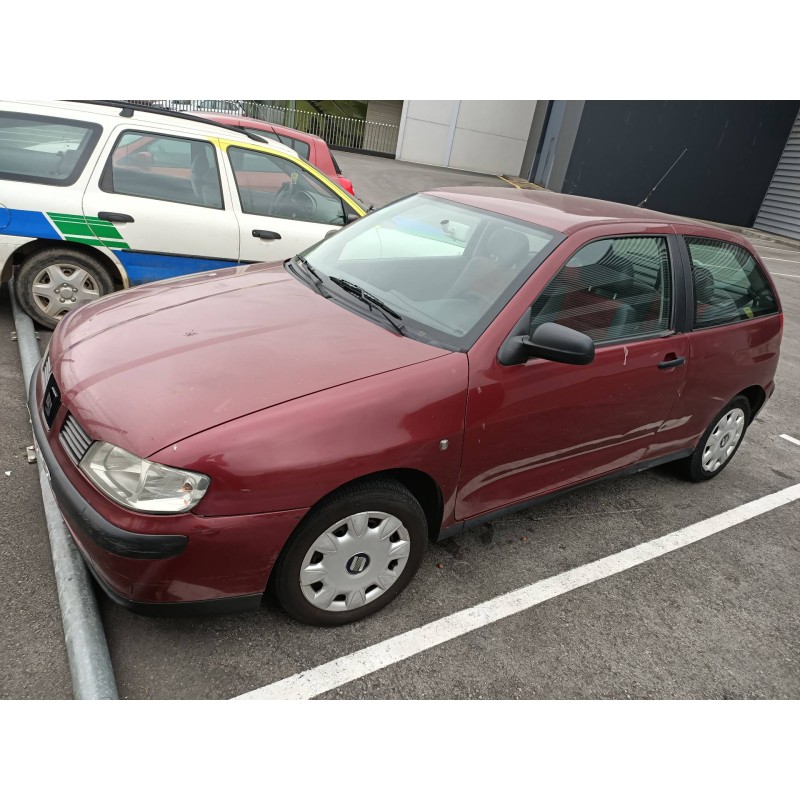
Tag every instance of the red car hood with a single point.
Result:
(149, 366)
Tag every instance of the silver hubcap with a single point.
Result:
(59, 288)
(723, 440)
(355, 561)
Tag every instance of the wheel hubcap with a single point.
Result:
(723, 439)
(355, 561)
(59, 288)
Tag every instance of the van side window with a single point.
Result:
(47, 150)
(611, 289)
(729, 285)
(164, 168)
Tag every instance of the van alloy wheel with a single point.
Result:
(60, 287)
(52, 282)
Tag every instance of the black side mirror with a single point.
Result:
(350, 216)
(550, 341)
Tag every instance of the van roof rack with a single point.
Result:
(128, 108)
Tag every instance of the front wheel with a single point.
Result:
(353, 554)
(53, 282)
(719, 442)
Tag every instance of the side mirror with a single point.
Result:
(552, 342)
(350, 216)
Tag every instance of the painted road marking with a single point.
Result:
(790, 260)
(318, 680)
(790, 438)
(784, 274)
(776, 249)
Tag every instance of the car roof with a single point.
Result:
(111, 114)
(565, 213)
(252, 122)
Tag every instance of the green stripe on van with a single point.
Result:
(92, 231)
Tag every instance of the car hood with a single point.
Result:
(150, 366)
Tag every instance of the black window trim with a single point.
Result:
(106, 182)
(677, 321)
(306, 173)
(94, 129)
(683, 246)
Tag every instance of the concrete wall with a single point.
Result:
(488, 136)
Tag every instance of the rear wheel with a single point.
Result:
(52, 283)
(719, 443)
(353, 554)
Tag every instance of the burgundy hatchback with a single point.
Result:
(457, 355)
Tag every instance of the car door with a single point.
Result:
(157, 202)
(541, 426)
(282, 208)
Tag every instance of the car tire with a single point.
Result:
(83, 278)
(353, 554)
(719, 442)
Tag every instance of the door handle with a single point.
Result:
(266, 234)
(673, 362)
(112, 216)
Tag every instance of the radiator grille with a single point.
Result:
(74, 439)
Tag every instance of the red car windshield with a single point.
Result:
(447, 269)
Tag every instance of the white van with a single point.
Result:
(102, 196)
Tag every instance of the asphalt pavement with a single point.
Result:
(716, 619)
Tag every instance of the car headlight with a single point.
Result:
(140, 484)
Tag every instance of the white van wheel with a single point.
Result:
(52, 283)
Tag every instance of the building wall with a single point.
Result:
(488, 136)
(383, 118)
(621, 149)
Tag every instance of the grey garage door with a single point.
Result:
(780, 211)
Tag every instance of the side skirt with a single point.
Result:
(482, 519)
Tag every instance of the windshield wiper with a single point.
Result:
(391, 316)
(311, 272)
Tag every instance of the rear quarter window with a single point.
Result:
(48, 150)
(729, 285)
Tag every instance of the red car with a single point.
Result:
(312, 148)
(455, 356)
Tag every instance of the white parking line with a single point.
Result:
(772, 258)
(784, 274)
(316, 681)
(790, 438)
(776, 249)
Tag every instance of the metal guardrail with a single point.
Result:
(343, 132)
(87, 650)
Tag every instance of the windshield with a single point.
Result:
(447, 269)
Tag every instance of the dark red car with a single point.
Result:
(312, 148)
(455, 356)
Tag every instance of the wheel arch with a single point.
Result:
(115, 270)
(756, 396)
(421, 485)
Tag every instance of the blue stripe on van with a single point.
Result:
(146, 267)
(33, 224)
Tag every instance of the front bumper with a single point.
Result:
(184, 563)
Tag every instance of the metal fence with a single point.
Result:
(343, 132)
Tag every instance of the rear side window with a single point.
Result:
(729, 285)
(164, 168)
(300, 147)
(611, 289)
(44, 149)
